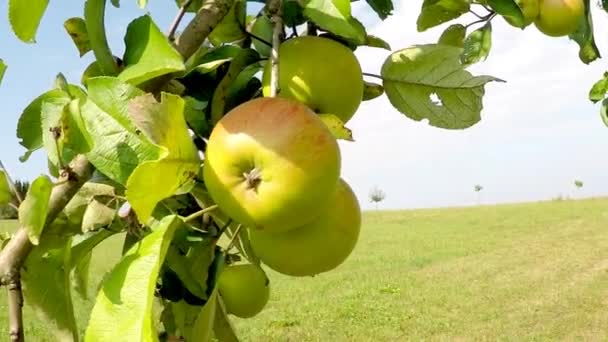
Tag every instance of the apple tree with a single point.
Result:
(212, 151)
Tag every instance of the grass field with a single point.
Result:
(535, 271)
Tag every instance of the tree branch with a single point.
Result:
(177, 20)
(276, 17)
(206, 19)
(16, 251)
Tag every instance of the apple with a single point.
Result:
(244, 288)
(321, 73)
(559, 17)
(316, 247)
(271, 164)
(529, 9)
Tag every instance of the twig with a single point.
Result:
(200, 213)
(206, 19)
(234, 236)
(11, 183)
(14, 254)
(487, 18)
(12, 205)
(15, 312)
(373, 75)
(177, 20)
(276, 13)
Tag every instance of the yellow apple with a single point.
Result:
(316, 247)
(321, 73)
(271, 164)
(558, 18)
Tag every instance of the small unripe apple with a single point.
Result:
(558, 18)
(245, 289)
(529, 9)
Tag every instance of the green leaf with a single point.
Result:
(604, 112)
(262, 28)
(230, 29)
(508, 9)
(2, 69)
(81, 275)
(599, 89)
(77, 29)
(47, 288)
(25, 17)
(119, 146)
(336, 126)
(57, 121)
(148, 53)
(371, 90)
(203, 326)
(383, 8)
(428, 82)
(97, 215)
(123, 309)
(80, 258)
(293, 13)
(212, 59)
(165, 125)
(29, 127)
(116, 3)
(220, 95)
(178, 264)
(453, 35)
(583, 36)
(6, 193)
(335, 16)
(436, 12)
(194, 112)
(374, 41)
(222, 327)
(142, 3)
(244, 86)
(94, 16)
(34, 208)
(477, 45)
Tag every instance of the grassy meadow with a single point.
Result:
(535, 271)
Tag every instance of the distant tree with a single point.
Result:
(478, 189)
(578, 183)
(376, 195)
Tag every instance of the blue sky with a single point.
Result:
(538, 131)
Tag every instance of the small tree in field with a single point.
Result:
(376, 195)
(578, 184)
(478, 189)
(216, 144)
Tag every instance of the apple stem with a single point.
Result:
(275, 10)
(253, 178)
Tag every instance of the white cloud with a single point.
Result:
(528, 127)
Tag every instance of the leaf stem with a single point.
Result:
(276, 13)
(200, 213)
(487, 18)
(234, 237)
(373, 75)
(178, 18)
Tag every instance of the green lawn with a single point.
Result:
(534, 271)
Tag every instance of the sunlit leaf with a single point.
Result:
(119, 145)
(97, 215)
(2, 69)
(123, 309)
(335, 16)
(77, 29)
(453, 35)
(372, 90)
(165, 125)
(5, 189)
(148, 53)
(34, 208)
(230, 29)
(477, 45)
(436, 12)
(25, 17)
(429, 82)
(336, 126)
(508, 9)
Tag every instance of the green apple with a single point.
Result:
(558, 18)
(321, 73)
(529, 9)
(244, 288)
(271, 164)
(316, 247)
